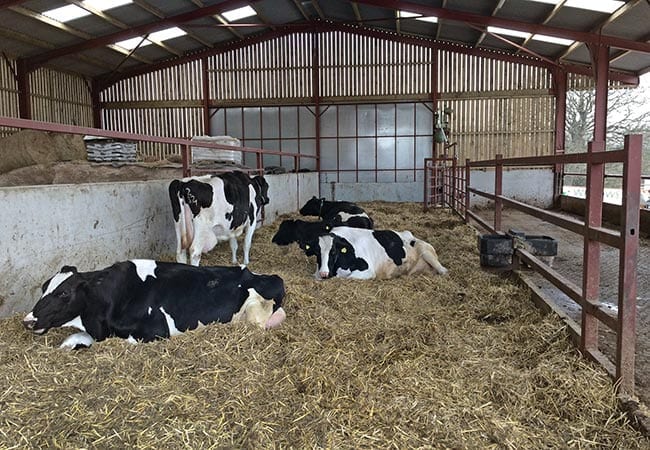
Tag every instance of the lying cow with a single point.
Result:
(337, 213)
(299, 231)
(143, 300)
(214, 208)
(367, 254)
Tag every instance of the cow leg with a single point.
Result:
(428, 253)
(77, 340)
(248, 238)
(181, 254)
(233, 249)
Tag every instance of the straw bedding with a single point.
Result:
(462, 361)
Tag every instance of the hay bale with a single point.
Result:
(29, 147)
(424, 361)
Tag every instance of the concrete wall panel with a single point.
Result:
(94, 225)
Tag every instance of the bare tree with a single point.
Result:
(628, 112)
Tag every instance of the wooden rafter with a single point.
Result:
(518, 25)
(318, 9)
(68, 29)
(299, 7)
(140, 30)
(439, 29)
(494, 13)
(159, 14)
(547, 19)
(31, 40)
(599, 27)
(357, 13)
(119, 24)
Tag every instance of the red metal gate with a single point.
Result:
(445, 185)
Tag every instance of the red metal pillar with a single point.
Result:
(591, 257)
(600, 61)
(185, 158)
(467, 179)
(498, 189)
(205, 85)
(594, 201)
(560, 89)
(627, 281)
(24, 91)
(426, 183)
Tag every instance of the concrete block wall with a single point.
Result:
(532, 186)
(94, 225)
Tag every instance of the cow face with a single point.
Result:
(338, 257)
(287, 233)
(61, 302)
(312, 207)
(299, 231)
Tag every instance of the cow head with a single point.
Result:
(299, 231)
(335, 255)
(261, 190)
(62, 301)
(312, 207)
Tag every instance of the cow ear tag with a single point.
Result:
(344, 250)
(306, 247)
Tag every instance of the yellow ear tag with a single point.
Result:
(306, 247)
(344, 250)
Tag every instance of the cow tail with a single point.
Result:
(182, 214)
(428, 253)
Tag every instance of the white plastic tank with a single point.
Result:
(214, 154)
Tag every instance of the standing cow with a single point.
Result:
(214, 208)
(337, 213)
(367, 254)
(143, 300)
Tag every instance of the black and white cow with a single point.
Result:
(299, 231)
(337, 213)
(367, 254)
(143, 300)
(214, 208)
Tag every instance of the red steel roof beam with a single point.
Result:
(37, 60)
(460, 16)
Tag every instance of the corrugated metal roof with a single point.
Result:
(81, 46)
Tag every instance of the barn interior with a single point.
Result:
(448, 118)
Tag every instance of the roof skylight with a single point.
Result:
(162, 35)
(536, 37)
(132, 43)
(168, 33)
(239, 13)
(104, 5)
(606, 6)
(71, 12)
(408, 14)
(66, 13)
(508, 32)
(552, 39)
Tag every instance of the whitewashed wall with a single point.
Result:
(94, 225)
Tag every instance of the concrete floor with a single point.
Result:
(568, 262)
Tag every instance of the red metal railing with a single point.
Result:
(184, 144)
(626, 240)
